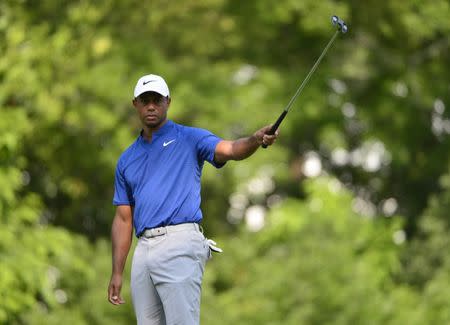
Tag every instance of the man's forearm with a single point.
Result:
(121, 242)
(244, 147)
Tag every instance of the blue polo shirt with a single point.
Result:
(161, 178)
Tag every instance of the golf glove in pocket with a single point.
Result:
(213, 246)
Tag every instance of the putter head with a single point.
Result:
(340, 24)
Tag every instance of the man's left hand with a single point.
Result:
(263, 138)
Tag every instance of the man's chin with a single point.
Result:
(154, 124)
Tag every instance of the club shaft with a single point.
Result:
(275, 126)
(316, 64)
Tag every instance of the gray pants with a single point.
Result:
(166, 275)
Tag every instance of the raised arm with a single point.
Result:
(244, 147)
(121, 236)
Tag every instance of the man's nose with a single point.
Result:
(150, 106)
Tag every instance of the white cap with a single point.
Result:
(151, 82)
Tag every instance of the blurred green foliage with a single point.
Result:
(365, 240)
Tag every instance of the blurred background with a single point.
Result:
(345, 220)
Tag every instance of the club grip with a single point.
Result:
(275, 126)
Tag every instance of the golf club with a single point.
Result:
(341, 27)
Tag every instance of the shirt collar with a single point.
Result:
(166, 128)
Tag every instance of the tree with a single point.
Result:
(373, 118)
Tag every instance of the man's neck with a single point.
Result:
(147, 133)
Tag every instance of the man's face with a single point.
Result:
(152, 108)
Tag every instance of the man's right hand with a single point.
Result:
(115, 285)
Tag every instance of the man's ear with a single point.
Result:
(134, 101)
(169, 100)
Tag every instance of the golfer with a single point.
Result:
(157, 191)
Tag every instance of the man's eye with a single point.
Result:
(155, 100)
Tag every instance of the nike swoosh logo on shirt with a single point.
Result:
(146, 82)
(165, 144)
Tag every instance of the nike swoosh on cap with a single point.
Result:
(146, 82)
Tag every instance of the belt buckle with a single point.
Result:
(158, 231)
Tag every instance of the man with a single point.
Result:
(157, 191)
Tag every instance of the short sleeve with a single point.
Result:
(206, 143)
(122, 191)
